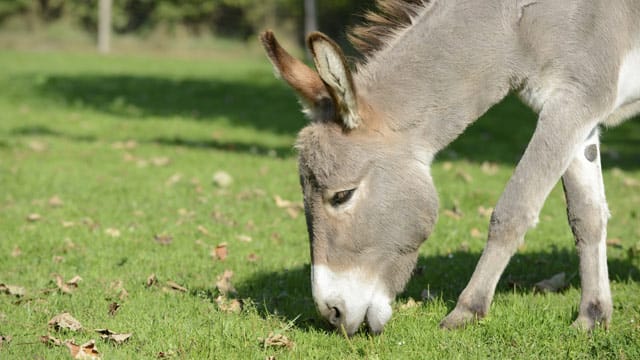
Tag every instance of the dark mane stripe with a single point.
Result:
(381, 25)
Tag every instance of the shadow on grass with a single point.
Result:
(288, 293)
(264, 104)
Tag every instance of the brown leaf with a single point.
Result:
(4, 340)
(277, 340)
(292, 208)
(175, 286)
(485, 212)
(220, 252)
(33, 217)
(50, 340)
(228, 305)
(113, 308)
(16, 251)
(556, 283)
(112, 232)
(614, 242)
(464, 176)
(476, 233)
(447, 165)
(453, 213)
(203, 230)
(223, 283)
(109, 335)
(151, 280)
(12, 290)
(69, 286)
(163, 239)
(174, 179)
(222, 179)
(118, 288)
(410, 304)
(124, 145)
(65, 321)
(160, 161)
(253, 257)
(55, 201)
(489, 168)
(244, 238)
(87, 350)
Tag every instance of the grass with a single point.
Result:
(130, 145)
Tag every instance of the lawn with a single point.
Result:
(107, 168)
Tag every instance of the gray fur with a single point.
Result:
(423, 86)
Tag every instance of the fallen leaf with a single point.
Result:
(228, 305)
(69, 286)
(464, 176)
(293, 212)
(107, 334)
(163, 239)
(454, 214)
(117, 287)
(113, 308)
(293, 209)
(166, 354)
(37, 145)
(4, 340)
(220, 252)
(253, 257)
(68, 224)
(222, 179)
(50, 340)
(203, 230)
(476, 233)
(16, 252)
(122, 145)
(410, 304)
(244, 238)
(175, 286)
(12, 290)
(87, 350)
(174, 179)
(223, 283)
(485, 212)
(34, 217)
(277, 340)
(55, 201)
(151, 280)
(614, 242)
(464, 246)
(65, 321)
(160, 161)
(489, 168)
(112, 232)
(556, 283)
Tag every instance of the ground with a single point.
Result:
(107, 171)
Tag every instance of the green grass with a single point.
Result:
(62, 118)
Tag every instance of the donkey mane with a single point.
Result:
(383, 25)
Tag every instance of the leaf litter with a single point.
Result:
(69, 286)
(65, 321)
(112, 336)
(14, 290)
(87, 350)
(556, 283)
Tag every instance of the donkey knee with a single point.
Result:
(588, 220)
(507, 228)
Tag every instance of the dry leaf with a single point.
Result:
(55, 201)
(34, 217)
(163, 239)
(12, 290)
(222, 179)
(113, 308)
(464, 176)
(485, 212)
(244, 238)
(68, 224)
(65, 321)
(476, 233)
(292, 208)
(107, 334)
(50, 340)
(447, 165)
(175, 286)
(614, 242)
(220, 252)
(16, 251)
(410, 304)
(151, 280)
(160, 161)
(223, 283)
(69, 286)
(112, 232)
(454, 214)
(277, 340)
(203, 230)
(87, 350)
(556, 283)
(464, 246)
(128, 145)
(37, 145)
(253, 257)
(228, 305)
(489, 168)
(174, 179)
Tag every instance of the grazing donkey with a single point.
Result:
(432, 68)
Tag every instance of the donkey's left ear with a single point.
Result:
(335, 73)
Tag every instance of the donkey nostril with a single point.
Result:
(334, 316)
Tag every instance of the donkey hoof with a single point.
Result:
(585, 323)
(458, 318)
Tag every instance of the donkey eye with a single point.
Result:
(341, 197)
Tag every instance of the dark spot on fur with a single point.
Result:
(591, 152)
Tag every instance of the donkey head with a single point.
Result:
(369, 199)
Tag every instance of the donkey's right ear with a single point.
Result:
(305, 81)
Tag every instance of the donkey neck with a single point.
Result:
(443, 71)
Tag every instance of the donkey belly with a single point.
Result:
(629, 79)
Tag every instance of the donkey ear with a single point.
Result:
(334, 71)
(299, 76)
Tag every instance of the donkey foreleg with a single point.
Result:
(560, 132)
(588, 214)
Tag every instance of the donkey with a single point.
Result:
(430, 69)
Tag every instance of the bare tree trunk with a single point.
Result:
(310, 19)
(104, 26)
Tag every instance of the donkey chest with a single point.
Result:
(629, 78)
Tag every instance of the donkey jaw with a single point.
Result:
(348, 298)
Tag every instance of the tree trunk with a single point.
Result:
(310, 19)
(104, 26)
